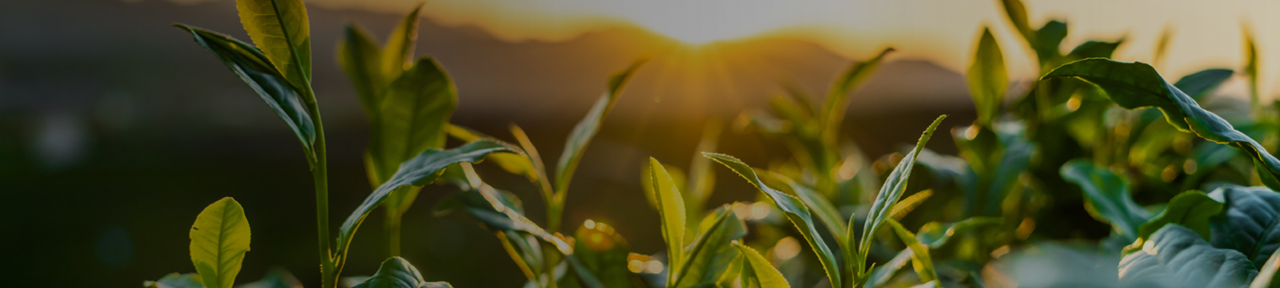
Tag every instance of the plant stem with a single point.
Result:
(319, 173)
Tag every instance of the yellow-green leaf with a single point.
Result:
(920, 260)
(281, 29)
(358, 55)
(671, 207)
(757, 272)
(219, 240)
(398, 52)
(587, 128)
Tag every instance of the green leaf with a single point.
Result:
(582, 133)
(987, 78)
(1048, 40)
(398, 52)
(882, 209)
(1017, 13)
(671, 208)
(219, 240)
(1250, 224)
(1177, 257)
(1137, 85)
(920, 260)
(513, 163)
(885, 271)
(1251, 70)
(1108, 194)
(711, 253)
(420, 170)
(413, 115)
(398, 273)
(822, 208)
(1093, 49)
(1199, 84)
(1191, 209)
(175, 280)
(795, 210)
(907, 204)
(935, 235)
(1162, 45)
(253, 67)
(359, 56)
(280, 29)
(757, 272)
(1267, 274)
(837, 101)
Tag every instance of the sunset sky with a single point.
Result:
(1206, 33)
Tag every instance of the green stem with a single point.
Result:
(319, 173)
(392, 227)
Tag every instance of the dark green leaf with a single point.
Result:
(987, 78)
(1175, 256)
(795, 210)
(1108, 194)
(1190, 209)
(587, 128)
(420, 170)
(414, 113)
(253, 67)
(1137, 85)
(219, 240)
(1017, 13)
(1048, 40)
(711, 254)
(398, 273)
(1199, 84)
(276, 278)
(826, 212)
(280, 28)
(1093, 49)
(1251, 222)
(603, 252)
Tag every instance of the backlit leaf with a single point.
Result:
(881, 210)
(398, 52)
(757, 272)
(671, 208)
(920, 259)
(219, 240)
(795, 210)
(711, 253)
(587, 128)
(837, 101)
(281, 29)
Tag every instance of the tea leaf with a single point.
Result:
(587, 128)
(1190, 209)
(1177, 257)
(1048, 40)
(920, 260)
(398, 273)
(711, 253)
(671, 206)
(1199, 84)
(1017, 13)
(1108, 194)
(280, 28)
(359, 57)
(254, 68)
(987, 78)
(219, 240)
(1249, 223)
(398, 52)
(1137, 85)
(418, 171)
(935, 235)
(837, 101)
(603, 252)
(413, 115)
(795, 210)
(513, 163)
(757, 272)
(881, 210)
(822, 208)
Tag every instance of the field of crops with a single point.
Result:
(1094, 173)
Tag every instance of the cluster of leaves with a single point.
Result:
(1071, 140)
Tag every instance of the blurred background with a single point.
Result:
(116, 129)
